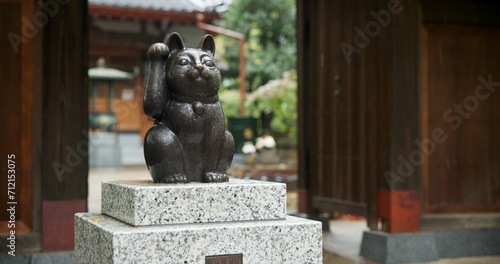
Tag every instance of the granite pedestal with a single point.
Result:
(142, 222)
(143, 202)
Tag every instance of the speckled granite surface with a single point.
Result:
(144, 203)
(102, 239)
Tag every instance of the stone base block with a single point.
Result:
(398, 248)
(429, 246)
(468, 243)
(146, 203)
(102, 239)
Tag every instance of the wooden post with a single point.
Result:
(64, 136)
(400, 180)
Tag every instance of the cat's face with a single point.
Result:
(192, 73)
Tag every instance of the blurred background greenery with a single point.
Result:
(271, 78)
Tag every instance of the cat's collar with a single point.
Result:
(187, 99)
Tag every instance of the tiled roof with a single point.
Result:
(184, 6)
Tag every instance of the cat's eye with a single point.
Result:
(209, 63)
(182, 62)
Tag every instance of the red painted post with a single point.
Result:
(241, 38)
(399, 210)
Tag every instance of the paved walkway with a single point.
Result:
(96, 176)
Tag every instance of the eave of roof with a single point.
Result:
(185, 11)
(183, 6)
(102, 73)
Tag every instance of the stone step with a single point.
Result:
(102, 239)
(142, 202)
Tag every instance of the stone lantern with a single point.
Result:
(106, 121)
(104, 147)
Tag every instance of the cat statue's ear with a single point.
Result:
(175, 42)
(207, 44)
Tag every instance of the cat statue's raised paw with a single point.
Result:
(189, 141)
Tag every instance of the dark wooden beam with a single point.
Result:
(465, 12)
(303, 52)
(10, 101)
(27, 124)
(122, 39)
(148, 15)
(115, 51)
(340, 206)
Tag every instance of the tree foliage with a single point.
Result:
(269, 29)
(280, 96)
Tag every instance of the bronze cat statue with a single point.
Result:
(189, 141)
